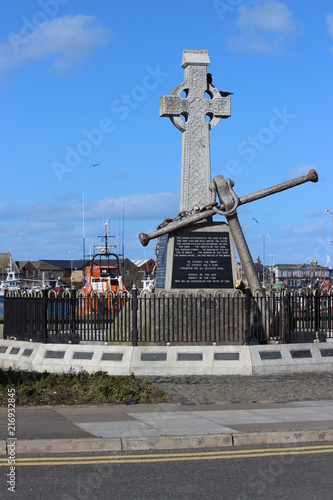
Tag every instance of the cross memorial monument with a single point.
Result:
(201, 256)
(195, 253)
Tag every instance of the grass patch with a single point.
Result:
(81, 388)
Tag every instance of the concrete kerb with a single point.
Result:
(55, 358)
(288, 358)
(127, 444)
(167, 360)
(17, 354)
(177, 442)
(3, 447)
(27, 446)
(282, 438)
(191, 360)
(61, 358)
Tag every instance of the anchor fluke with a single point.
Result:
(144, 239)
(312, 175)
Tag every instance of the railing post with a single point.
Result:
(317, 311)
(5, 316)
(248, 304)
(134, 316)
(73, 304)
(329, 314)
(44, 316)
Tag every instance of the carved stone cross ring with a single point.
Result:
(195, 107)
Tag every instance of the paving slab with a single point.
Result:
(119, 429)
(41, 423)
(179, 423)
(234, 417)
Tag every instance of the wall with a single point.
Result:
(167, 360)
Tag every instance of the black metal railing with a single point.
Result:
(161, 318)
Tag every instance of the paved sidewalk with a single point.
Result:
(231, 389)
(303, 416)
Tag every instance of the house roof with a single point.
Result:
(141, 262)
(66, 263)
(4, 263)
(41, 265)
(300, 266)
(21, 263)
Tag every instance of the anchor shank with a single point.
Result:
(244, 253)
(311, 176)
(224, 200)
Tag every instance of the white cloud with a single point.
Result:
(52, 228)
(329, 20)
(67, 41)
(263, 28)
(300, 171)
(274, 17)
(140, 206)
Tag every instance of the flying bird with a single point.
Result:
(95, 165)
(255, 220)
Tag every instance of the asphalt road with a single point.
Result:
(302, 472)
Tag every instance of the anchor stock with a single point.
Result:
(208, 212)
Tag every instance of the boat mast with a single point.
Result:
(83, 237)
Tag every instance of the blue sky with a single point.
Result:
(80, 83)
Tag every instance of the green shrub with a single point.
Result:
(33, 388)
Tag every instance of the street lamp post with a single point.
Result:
(272, 255)
(263, 236)
(71, 253)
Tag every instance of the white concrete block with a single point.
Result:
(288, 358)
(167, 360)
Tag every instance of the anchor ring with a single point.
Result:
(235, 198)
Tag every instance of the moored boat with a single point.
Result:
(11, 282)
(103, 274)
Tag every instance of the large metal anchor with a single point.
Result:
(229, 202)
(228, 207)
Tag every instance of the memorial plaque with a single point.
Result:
(27, 352)
(202, 260)
(301, 354)
(201, 257)
(153, 356)
(83, 355)
(325, 353)
(226, 356)
(112, 356)
(189, 356)
(267, 355)
(55, 354)
(162, 259)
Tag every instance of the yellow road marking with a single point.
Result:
(166, 457)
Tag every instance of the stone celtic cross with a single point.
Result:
(201, 106)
